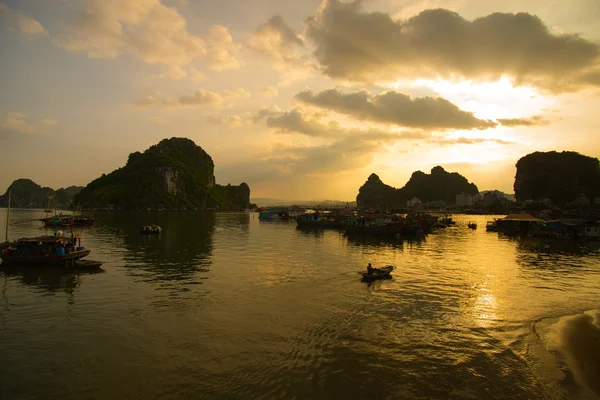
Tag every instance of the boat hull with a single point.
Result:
(379, 230)
(319, 224)
(14, 259)
(380, 273)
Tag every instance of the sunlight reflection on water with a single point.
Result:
(228, 306)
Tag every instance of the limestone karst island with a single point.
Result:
(328, 199)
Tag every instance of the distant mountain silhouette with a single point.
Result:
(25, 193)
(439, 185)
(266, 202)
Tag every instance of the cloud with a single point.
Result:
(278, 42)
(536, 120)
(355, 45)
(346, 154)
(269, 92)
(265, 112)
(25, 24)
(197, 99)
(158, 120)
(343, 155)
(467, 141)
(295, 121)
(149, 30)
(231, 121)
(397, 109)
(174, 71)
(219, 55)
(14, 122)
(313, 125)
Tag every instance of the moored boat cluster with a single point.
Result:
(528, 225)
(374, 223)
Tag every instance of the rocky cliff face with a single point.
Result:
(25, 193)
(439, 185)
(560, 177)
(175, 173)
(376, 194)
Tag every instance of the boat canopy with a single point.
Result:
(46, 239)
(521, 218)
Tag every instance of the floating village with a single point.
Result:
(64, 248)
(557, 195)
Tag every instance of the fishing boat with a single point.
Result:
(319, 220)
(378, 273)
(57, 221)
(64, 220)
(445, 221)
(376, 225)
(57, 249)
(472, 225)
(48, 210)
(150, 230)
(43, 250)
(491, 226)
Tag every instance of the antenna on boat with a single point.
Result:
(7, 215)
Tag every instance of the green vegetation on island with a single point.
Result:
(25, 193)
(175, 173)
(439, 185)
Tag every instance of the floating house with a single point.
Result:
(519, 224)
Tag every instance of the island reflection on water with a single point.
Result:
(225, 305)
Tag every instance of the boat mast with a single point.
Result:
(7, 215)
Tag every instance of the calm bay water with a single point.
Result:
(227, 306)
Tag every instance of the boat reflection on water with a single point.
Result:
(51, 280)
(566, 246)
(310, 231)
(181, 251)
(395, 242)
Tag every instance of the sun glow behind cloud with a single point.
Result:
(325, 77)
(491, 100)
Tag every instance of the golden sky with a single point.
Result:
(302, 100)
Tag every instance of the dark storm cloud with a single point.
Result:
(364, 46)
(432, 113)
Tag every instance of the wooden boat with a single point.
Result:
(57, 221)
(63, 220)
(446, 221)
(378, 273)
(472, 225)
(43, 250)
(389, 229)
(150, 230)
(491, 226)
(57, 249)
(319, 220)
(376, 225)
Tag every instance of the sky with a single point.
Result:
(301, 100)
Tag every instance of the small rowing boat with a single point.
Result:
(150, 230)
(378, 273)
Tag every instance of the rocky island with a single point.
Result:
(560, 177)
(28, 194)
(439, 185)
(175, 173)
